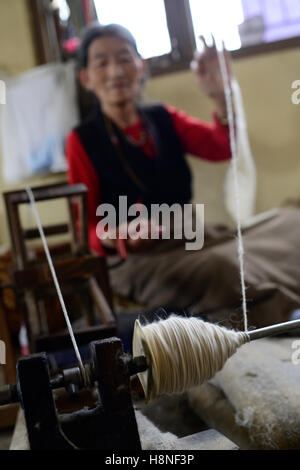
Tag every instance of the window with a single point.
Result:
(167, 31)
(63, 9)
(145, 19)
(268, 21)
(162, 28)
(243, 23)
(220, 18)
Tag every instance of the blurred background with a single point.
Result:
(263, 35)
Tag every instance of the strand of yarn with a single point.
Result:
(182, 353)
(55, 280)
(234, 154)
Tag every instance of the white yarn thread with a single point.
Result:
(56, 283)
(228, 97)
(182, 353)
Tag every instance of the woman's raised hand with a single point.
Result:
(207, 68)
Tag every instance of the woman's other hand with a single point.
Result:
(142, 234)
(134, 237)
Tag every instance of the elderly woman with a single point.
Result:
(129, 148)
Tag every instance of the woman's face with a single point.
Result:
(114, 71)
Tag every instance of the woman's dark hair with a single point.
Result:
(96, 31)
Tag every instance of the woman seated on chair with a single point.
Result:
(135, 149)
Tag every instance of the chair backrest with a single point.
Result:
(76, 196)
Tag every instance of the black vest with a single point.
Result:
(166, 178)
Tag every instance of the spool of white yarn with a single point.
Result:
(182, 353)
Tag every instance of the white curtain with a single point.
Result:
(41, 108)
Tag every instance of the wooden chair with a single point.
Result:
(78, 271)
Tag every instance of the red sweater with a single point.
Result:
(207, 141)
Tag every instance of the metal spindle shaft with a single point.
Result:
(273, 329)
(71, 377)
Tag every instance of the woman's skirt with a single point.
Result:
(207, 282)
